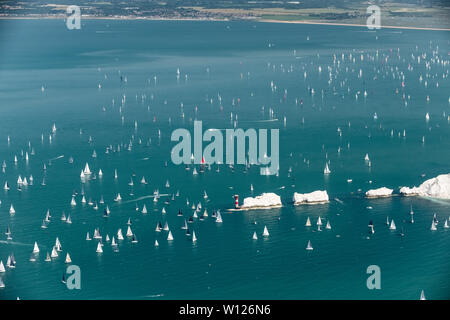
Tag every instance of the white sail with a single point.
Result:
(86, 169)
(2, 267)
(170, 237)
(433, 226)
(113, 242)
(392, 226)
(36, 248)
(129, 232)
(12, 210)
(309, 246)
(218, 217)
(319, 221)
(156, 243)
(422, 296)
(54, 253)
(88, 237)
(194, 238)
(265, 232)
(327, 169)
(328, 226)
(68, 260)
(73, 202)
(446, 224)
(308, 223)
(255, 237)
(100, 173)
(99, 248)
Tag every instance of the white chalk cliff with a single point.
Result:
(438, 187)
(379, 193)
(265, 200)
(311, 198)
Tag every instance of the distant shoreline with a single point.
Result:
(307, 22)
(353, 25)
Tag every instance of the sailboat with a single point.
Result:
(219, 217)
(327, 169)
(319, 221)
(328, 226)
(255, 236)
(36, 248)
(12, 210)
(2, 284)
(446, 226)
(73, 202)
(144, 209)
(119, 234)
(129, 232)
(134, 239)
(63, 280)
(87, 171)
(143, 180)
(422, 295)
(2, 267)
(88, 237)
(99, 248)
(184, 227)
(58, 244)
(170, 236)
(47, 258)
(433, 226)
(309, 246)
(113, 242)
(6, 187)
(68, 260)
(265, 232)
(194, 238)
(156, 243)
(392, 226)
(54, 253)
(308, 222)
(166, 227)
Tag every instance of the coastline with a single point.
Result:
(307, 22)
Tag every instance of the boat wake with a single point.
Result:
(16, 243)
(58, 157)
(145, 197)
(154, 295)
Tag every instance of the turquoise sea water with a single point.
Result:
(233, 60)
